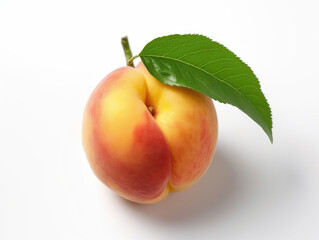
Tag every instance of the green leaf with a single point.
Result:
(197, 62)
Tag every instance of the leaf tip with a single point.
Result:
(271, 138)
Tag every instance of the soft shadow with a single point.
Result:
(211, 195)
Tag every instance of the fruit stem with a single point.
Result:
(127, 51)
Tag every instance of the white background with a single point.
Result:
(53, 54)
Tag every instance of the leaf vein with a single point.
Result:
(199, 51)
(181, 45)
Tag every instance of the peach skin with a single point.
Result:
(144, 139)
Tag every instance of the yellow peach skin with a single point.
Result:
(144, 139)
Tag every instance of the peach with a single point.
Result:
(144, 139)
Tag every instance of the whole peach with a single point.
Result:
(144, 138)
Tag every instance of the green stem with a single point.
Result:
(130, 61)
(127, 51)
